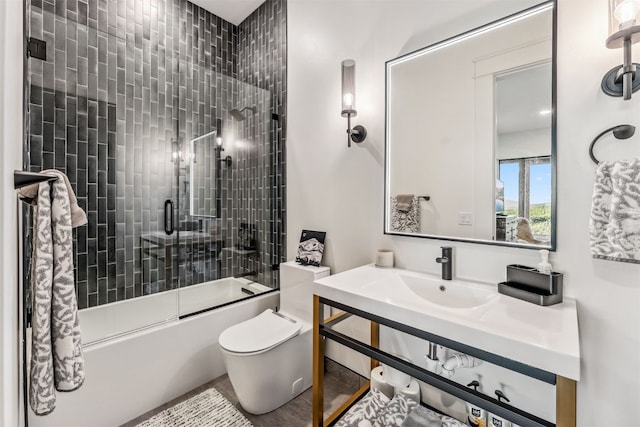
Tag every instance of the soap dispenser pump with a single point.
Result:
(476, 416)
(544, 266)
(496, 420)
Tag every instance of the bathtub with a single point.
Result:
(115, 319)
(129, 373)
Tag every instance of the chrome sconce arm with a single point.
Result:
(623, 80)
(358, 133)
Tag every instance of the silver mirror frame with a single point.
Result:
(554, 62)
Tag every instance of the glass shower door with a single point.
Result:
(225, 206)
(103, 110)
(173, 161)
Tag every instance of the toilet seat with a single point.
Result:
(259, 333)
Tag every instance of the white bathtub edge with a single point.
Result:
(132, 374)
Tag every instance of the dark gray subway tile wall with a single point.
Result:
(262, 62)
(122, 80)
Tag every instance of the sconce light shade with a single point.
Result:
(358, 133)
(349, 88)
(623, 23)
(227, 160)
(176, 153)
(624, 30)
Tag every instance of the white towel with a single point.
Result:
(57, 360)
(615, 212)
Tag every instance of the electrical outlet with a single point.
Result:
(465, 218)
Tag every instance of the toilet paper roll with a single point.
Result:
(378, 382)
(384, 258)
(412, 390)
(395, 378)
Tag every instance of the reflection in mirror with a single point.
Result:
(523, 152)
(204, 167)
(470, 135)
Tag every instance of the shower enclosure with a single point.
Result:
(177, 162)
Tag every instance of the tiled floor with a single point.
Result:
(340, 383)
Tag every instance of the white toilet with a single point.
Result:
(268, 357)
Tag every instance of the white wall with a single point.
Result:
(528, 143)
(10, 155)
(340, 190)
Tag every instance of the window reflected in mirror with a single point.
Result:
(523, 151)
(527, 196)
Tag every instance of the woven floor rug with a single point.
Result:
(207, 409)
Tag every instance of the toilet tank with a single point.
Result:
(296, 288)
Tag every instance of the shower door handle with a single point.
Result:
(168, 216)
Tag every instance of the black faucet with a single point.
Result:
(447, 262)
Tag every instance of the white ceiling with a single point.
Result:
(521, 96)
(234, 11)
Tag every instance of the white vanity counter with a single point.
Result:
(474, 314)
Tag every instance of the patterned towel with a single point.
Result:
(29, 194)
(615, 212)
(405, 221)
(41, 393)
(56, 355)
(396, 411)
(364, 412)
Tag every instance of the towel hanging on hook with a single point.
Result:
(619, 131)
(22, 178)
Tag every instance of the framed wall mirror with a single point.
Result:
(204, 169)
(471, 135)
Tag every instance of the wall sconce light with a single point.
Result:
(358, 133)
(227, 160)
(219, 134)
(176, 151)
(624, 30)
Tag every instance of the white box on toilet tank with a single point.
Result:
(296, 288)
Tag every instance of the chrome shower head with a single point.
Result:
(237, 114)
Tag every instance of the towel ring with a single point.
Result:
(619, 131)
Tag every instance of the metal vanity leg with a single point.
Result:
(565, 402)
(318, 365)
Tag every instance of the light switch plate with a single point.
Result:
(465, 218)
